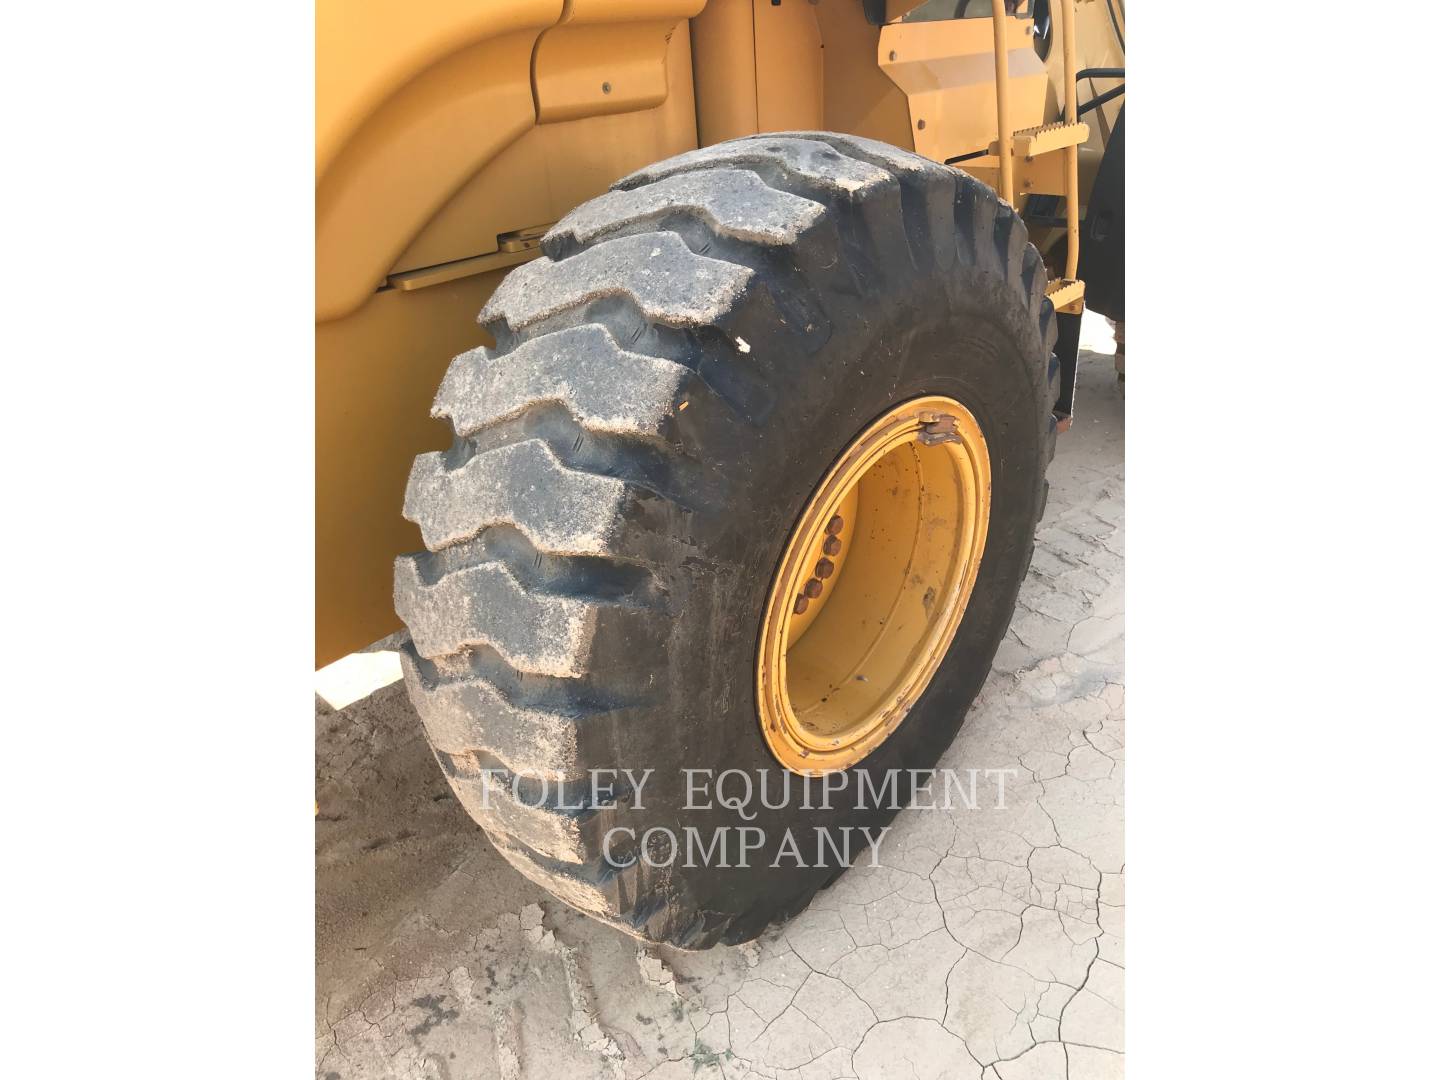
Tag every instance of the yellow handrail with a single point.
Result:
(1002, 101)
(1072, 153)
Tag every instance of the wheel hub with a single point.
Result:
(873, 584)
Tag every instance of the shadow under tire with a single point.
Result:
(670, 382)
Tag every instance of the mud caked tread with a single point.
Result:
(474, 704)
(566, 527)
(548, 634)
(667, 281)
(732, 202)
(559, 509)
(582, 369)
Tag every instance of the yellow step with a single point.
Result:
(1066, 295)
(1034, 141)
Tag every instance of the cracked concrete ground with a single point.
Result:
(986, 944)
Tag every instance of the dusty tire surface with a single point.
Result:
(669, 384)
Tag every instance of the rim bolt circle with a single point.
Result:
(801, 603)
(824, 568)
(834, 525)
(831, 546)
(813, 588)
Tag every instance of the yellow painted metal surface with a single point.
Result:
(946, 71)
(723, 43)
(906, 508)
(756, 67)
(1066, 294)
(607, 57)
(553, 167)
(410, 280)
(1042, 175)
(859, 98)
(365, 50)
(412, 155)
(1029, 142)
(789, 67)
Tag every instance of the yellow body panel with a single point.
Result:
(723, 40)
(407, 161)
(449, 134)
(947, 72)
(607, 57)
(789, 68)
(859, 98)
(365, 50)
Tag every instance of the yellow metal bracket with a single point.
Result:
(605, 57)
(516, 247)
(411, 280)
(947, 71)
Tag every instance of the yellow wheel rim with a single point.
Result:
(873, 585)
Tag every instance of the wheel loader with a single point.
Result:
(687, 374)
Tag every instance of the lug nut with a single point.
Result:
(834, 525)
(813, 588)
(831, 546)
(801, 603)
(824, 568)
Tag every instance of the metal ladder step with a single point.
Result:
(1034, 141)
(1067, 295)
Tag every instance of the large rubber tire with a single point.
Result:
(668, 386)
